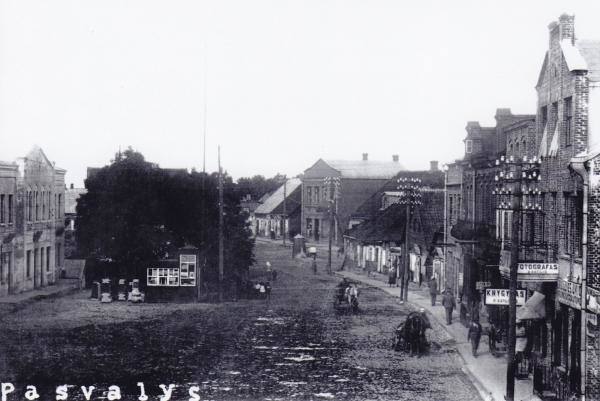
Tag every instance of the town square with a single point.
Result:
(299, 200)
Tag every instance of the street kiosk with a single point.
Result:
(175, 278)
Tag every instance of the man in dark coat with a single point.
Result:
(449, 304)
(474, 335)
(433, 290)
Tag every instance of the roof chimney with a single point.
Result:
(567, 27)
(365, 156)
(433, 165)
(395, 158)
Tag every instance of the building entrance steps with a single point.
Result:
(14, 302)
(488, 373)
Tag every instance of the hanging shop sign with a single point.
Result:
(480, 285)
(593, 300)
(568, 293)
(530, 271)
(537, 272)
(499, 296)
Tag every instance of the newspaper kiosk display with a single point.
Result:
(174, 279)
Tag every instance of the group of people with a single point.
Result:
(449, 304)
(261, 290)
(346, 290)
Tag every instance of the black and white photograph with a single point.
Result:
(299, 200)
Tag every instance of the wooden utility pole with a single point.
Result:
(220, 229)
(284, 211)
(331, 233)
(406, 275)
(512, 294)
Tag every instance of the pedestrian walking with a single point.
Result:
(268, 291)
(392, 277)
(433, 290)
(269, 270)
(474, 335)
(449, 304)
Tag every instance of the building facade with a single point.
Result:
(32, 193)
(560, 317)
(270, 218)
(342, 185)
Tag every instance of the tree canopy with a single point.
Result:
(135, 212)
(258, 185)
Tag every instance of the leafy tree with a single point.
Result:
(258, 185)
(135, 212)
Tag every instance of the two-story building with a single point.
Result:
(342, 185)
(31, 223)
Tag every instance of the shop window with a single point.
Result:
(163, 277)
(187, 270)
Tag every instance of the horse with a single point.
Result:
(410, 335)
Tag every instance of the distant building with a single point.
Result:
(32, 193)
(377, 237)
(356, 182)
(72, 195)
(269, 217)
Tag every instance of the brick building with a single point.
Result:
(31, 223)
(566, 138)
(563, 348)
(357, 181)
(472, 249)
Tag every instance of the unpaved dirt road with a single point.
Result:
(295, 347)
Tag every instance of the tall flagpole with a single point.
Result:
(203, 216)
(205, 111)
(220, 229)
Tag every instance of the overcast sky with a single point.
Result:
(286, 82)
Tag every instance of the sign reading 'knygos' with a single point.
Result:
(499, 296)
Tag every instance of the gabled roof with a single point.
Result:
(273, 201)
(365, 168)
(431, 215)
(387, 226)
(71, 197)
(429, 179)
(590, 51)
(573, 57)
(583, 56)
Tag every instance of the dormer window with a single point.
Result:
(469, 146)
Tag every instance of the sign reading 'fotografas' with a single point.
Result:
(538, 268)
(499, 296)
(569, 293)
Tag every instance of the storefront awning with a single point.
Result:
(534, 308)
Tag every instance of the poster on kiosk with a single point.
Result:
(175, 278)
